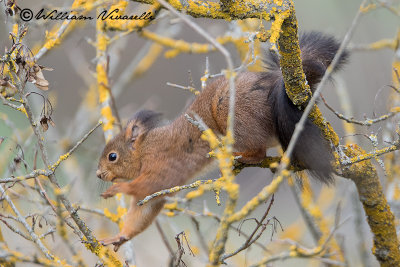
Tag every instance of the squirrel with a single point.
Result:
(147, 157)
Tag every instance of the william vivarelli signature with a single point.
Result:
(27, 15)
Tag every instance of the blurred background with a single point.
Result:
(365, 78)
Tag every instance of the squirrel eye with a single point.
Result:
(112, 156)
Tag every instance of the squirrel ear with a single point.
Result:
(141, 122)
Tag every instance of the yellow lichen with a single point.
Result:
(106, 113)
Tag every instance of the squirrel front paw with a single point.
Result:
(117, 241)
(112, 191)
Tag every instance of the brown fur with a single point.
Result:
(151, 158)
(163, 157)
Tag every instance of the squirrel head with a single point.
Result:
(122, 156)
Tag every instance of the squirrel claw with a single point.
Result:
(117, 241)
(110, 192)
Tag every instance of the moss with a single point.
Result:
(109, 258)
(102, 81)
(276, 26)
(296, 86)
(106, 113)
(379, 216)
(228, 10)
(195, 193)
(170, 213)
(60, 159)
(325, 126)
(367, 8)
(15, 29)
(171, 206)
(51, 39)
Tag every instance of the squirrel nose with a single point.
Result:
(98, 173)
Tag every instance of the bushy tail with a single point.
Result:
(311, 151)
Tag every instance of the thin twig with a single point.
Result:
(41, 190)
(366, 122)
(373, 154)
(250, 240)
(230, 76)
(21, 220)
(15, 230)
(60, 31)
(53, 167)
(188, 88)
(164, 238)
(174, 190)
(114, 108)
(40, 139)
(19, 108)
(206, 213)
(311, 224)
(299, 251)
(200, 236)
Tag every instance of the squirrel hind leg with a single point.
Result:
(251, 157)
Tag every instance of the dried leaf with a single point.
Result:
(17, 161)
(20, 63)
(44, 123)
(1, 140)
(6, 88)
(44, 88)
(45, 68)
(31, 78)
(37, 78)
(52, 122)
(42, 84)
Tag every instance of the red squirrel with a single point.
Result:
(146, 157)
